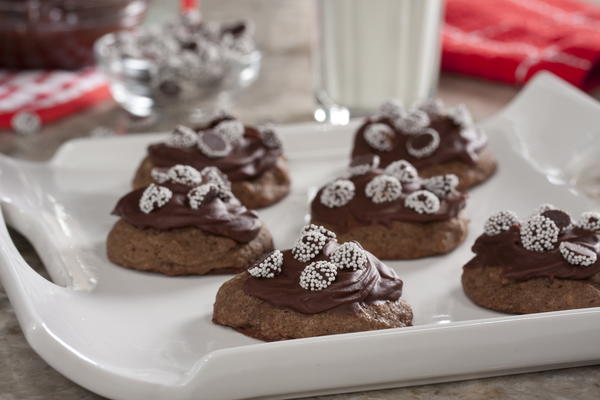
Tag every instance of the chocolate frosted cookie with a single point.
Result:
(188, 222)
(252, 158)
(437, 140)
(318, 287)
(546, 263)
(393, 212)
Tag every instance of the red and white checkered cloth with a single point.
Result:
(38, 97)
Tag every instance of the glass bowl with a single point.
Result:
(143, 88)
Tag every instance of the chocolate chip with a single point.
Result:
(560, 218)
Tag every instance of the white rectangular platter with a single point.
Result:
(131, 335)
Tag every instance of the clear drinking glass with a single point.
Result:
(370, 51)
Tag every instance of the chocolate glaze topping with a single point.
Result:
(457, 143)
(505, 250)
(375, 282)
(249, 158)
(362, 211)
(224, 218)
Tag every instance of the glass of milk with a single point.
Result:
(368, 51)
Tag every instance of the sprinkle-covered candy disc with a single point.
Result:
(577, 254)
(589, 220)
(321, 229)
(230, 129)
(441, 185)
(154, 197)
(403, 171)
(269, 266)
(560, 218)
(201, 195)
(213, 145)
(423, 144)
(318, 275)
(349, 256)
(391, 109)
(269, 137)
(413, 123)
(461, 116)
(185, 175)
(379, 136)
(383, 188)
(182, 137)
(539, 234)
(337, 193)
(500, 222)
(423, 202)
(309, 245)
(159, 175)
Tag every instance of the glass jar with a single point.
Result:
(60, 33)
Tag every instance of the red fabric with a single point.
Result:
(511, 40)
(50, 95)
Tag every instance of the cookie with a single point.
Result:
(318, 287)
(252, 158)
(393, 212)
(545, 263)
(187, 223)
(435, 139)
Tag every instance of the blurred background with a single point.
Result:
(312, 56)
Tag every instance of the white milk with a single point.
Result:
(368, 51)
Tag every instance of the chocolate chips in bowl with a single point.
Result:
(179, 66)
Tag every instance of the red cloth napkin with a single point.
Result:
(511, 40)
(30, 99)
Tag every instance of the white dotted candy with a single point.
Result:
(589, 220)
(268, 267)
(185, 175)
(391, 109)
(309, 245)
(577, 254)
(379, 136)
(337, 193)
(159, 175)
(404, 171)
(461, 116)
(383, 188)
(433, 142)
(363, 164)
(349, 256)
(230, 129)
(539, 234)
(269, 137)
(321, 229)
(413, 123)
(214, 175)
(433, 107)
(199, 195)
(318, 275)
(154, 197)
(182, 137)
(441, 185)
(500, 222)
(423, 202)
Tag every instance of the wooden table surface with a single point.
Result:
(283, 93)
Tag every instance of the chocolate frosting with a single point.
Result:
(519, 264)
(249, 158)
(456, 143)
(375, 282)
(362, 211)
(224, 218)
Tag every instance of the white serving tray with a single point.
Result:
(131, 335)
